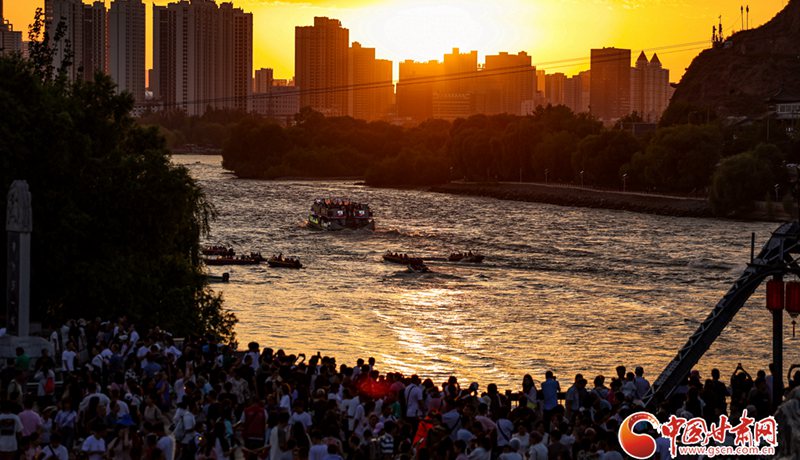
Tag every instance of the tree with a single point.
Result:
(679, 158)
(116, 225)
(603, 155)
(738, 182)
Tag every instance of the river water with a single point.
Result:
(567, 289)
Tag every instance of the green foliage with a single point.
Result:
(679, 158)
(603, 155)
(742, 179)
(116, 225)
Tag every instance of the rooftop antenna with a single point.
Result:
(741, 10)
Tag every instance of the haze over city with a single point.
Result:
(557, 34)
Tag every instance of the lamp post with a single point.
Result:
(625, 182)
(581, 178)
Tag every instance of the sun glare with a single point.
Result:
(423, 30)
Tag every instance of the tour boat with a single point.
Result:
(339, 214)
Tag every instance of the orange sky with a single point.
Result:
(556, 33)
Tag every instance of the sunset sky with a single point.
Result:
(557, 34)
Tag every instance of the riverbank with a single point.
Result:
(566, 195)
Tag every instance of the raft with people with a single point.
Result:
(467, 257)
(284, 262)
(217, 250)
(254, 258)
(340, 214)
(402, 259)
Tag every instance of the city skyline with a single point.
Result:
(556, 35)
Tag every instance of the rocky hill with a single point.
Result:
(737, 77)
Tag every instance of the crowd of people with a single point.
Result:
(113, 391)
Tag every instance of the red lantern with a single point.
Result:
(793, 301)
(775, 290)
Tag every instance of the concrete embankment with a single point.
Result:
(583, 197)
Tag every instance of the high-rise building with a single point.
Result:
(370, 84)
(69, 50)
(263, 81)
(457, 94)
(650, 89)
(321, 66)
(242, 24)
(555, 88)
(95, 40)
(507, 80)
(202, 56)
(610, 95)
(416, 85)
(126, 46)
(576, 92)
(10, 39)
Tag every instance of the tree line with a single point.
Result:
(729, 163)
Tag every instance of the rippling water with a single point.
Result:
(568, 289)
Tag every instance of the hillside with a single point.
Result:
(738, 78)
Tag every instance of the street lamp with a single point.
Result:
(625, 182)
(581, 178)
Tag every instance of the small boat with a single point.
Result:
(280, 262)
(224, 278)
(466, 257)
(218, 251)
(419, 268)
(402, 259)
(253, 259)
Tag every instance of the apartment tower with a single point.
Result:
(321, 66)
(610, 95)
(126, 29)
(70, 14)
(370, 84)
(202, 56)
